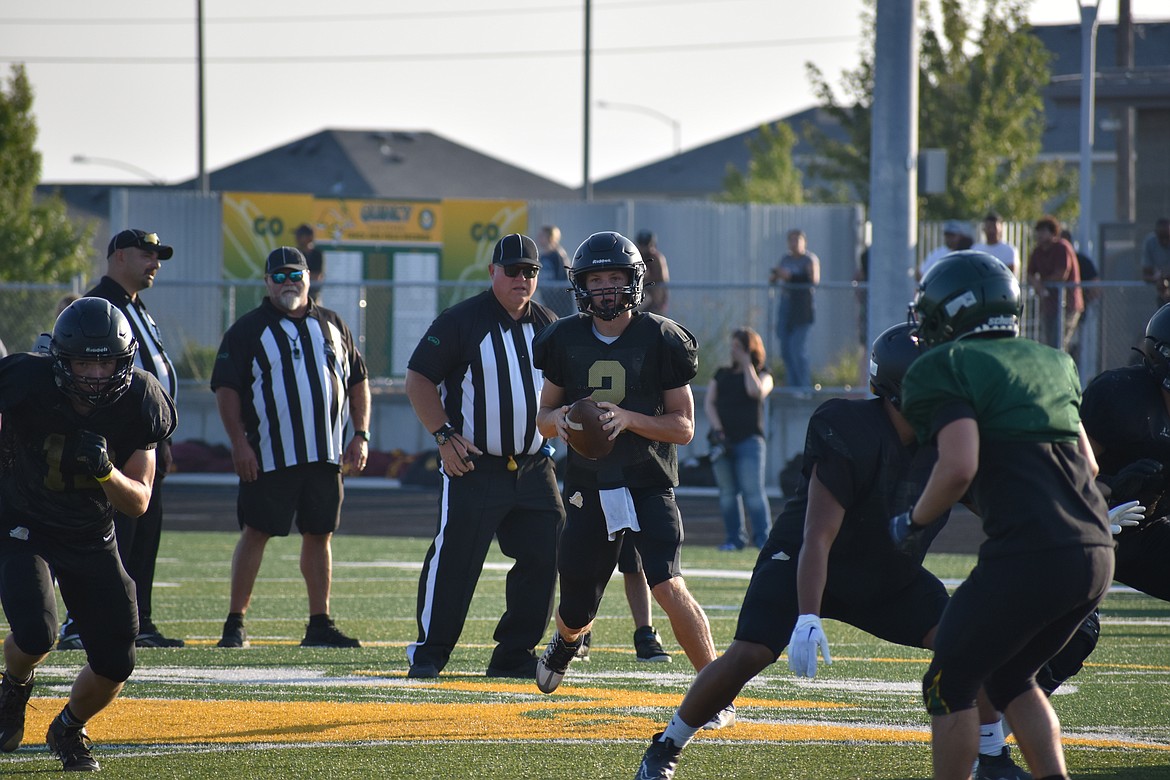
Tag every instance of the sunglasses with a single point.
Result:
(529, 271)
(280, 277)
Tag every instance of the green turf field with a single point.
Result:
(275, 710)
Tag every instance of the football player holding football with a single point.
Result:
(80, 428)
(638, 366)
(1004, 414)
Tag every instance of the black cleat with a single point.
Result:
(660, 760)
(523, 670)
(423, 672)
(72, 746)
(13, 702)
(551, 667)
(327, 635)
(234, 634)
(648, 646)
(154, 638)
(999, 766)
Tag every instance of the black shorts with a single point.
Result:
(95, 588)
(310, 492)
(629, 562)
(904, 614)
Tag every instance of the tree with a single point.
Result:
(41, 244)
(979, 98)
(771, 177)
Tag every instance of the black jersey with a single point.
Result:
(1123, 411)
(861, 460)
(39, 481)
(653, 354)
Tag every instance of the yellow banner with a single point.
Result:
(472, 228)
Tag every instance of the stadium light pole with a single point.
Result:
(675, 125)
(131, 167)
(1088, 10)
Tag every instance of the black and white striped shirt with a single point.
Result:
(293, 377)
(481, 359)
(152, 356)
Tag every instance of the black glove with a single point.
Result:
(1135, 481)
(91, 455)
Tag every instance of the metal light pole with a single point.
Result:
(1088, 80)
(675, 125)
(587, 181)
(131, 167)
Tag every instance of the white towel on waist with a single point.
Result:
(618, 506)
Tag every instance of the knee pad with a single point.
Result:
(943, 695)
(116, 665)
(1071, 658)
(579, 602)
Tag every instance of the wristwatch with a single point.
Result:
(444, 434)
(364, 434)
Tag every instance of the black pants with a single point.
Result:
(138, 542)
(521, 509)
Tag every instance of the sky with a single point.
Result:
(116, 81)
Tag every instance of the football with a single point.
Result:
(586, 435)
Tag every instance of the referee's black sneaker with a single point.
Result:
(13, 702)
(324, 633)
(523, 670)
(72, 746)
(660, 760)
(551, 667)
(150, 636)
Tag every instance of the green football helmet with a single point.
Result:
(965, 294)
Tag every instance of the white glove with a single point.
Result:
(1126, 515)
(802, 648)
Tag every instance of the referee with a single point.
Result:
(287, 380)
(133, 259)
(472, 384)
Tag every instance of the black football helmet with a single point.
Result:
(892, 354)
(602, 251)
(965, 294)
(1155, 347)
(93, 329)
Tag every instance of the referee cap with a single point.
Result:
(285, 257)
(516, 248)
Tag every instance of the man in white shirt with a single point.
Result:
(955, 237)
(994, 246)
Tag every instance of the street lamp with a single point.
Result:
(87, 160)
(674, 123)
(1088, 10)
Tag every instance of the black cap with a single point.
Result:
(285, 257)
(140, 239)
(516, 248)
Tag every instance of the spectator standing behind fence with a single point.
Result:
(735, 410)
(1156, 259)
(657, 274)
(314, 258)
(1055, 276)
(472, 384)
(955, 237)
(288, 380)
(1085, 344)
(555, 292)
(994, 245)
(133, 258)
(800, 273)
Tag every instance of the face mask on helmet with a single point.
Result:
(603, 252)
(893, 352)
(92, 329)
(1155, 347)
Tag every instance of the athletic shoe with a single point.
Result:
(660, 760)
(72, 746)
(423, 672)
(67, 637)
(154, 638)
(524, 670)
(729, 547)
(327, 635)
(551, 668)
(13, 702)
(586, 641)
(234, 634)
(999, 767)
(723, 719)
(648, 646)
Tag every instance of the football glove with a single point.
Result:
(92, 456)
(1135, 479)
(807, 637)
(904, 532)
(1126, 515)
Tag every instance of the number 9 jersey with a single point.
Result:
(652, 355)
